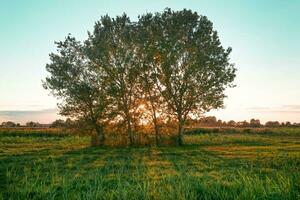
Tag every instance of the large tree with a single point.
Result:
(173, 62)
(192, 67)
(148, 73)
(111, 48)
(81, 89)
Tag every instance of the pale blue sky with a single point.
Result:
(264, 36)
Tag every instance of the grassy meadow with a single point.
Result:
(214, 165)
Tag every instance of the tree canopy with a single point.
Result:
(168, 64)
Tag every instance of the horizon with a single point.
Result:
(263, 36)
(37, 115)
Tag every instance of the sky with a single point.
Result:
(264, 36)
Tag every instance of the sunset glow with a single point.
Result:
(264, 37)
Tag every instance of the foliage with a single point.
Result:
(81, 90)
(169, 64)
(9, 124)
(32, 124)
(111, 49)
(192, 68)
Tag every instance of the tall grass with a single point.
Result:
(210, 166)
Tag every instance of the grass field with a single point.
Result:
(209, 166)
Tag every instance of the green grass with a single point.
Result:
(209, 166)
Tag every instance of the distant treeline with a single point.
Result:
(212, 121)
(209, 121)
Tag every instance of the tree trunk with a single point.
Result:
(156, 130)
(100, 135)
(129, 131)
(180, 132)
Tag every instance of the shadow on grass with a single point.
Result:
(42, 159)
(117, 165)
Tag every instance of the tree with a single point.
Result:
(172, 63)
(192, 68)
(33, 124)
(288, 124)
(148, 74)
(112, 49)
(255, 123)
(272, 124)
(80, 88)
(8, 124)
(209, 120)
(231, 123)
(243, 124)
(219, 122)
(59, 123)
